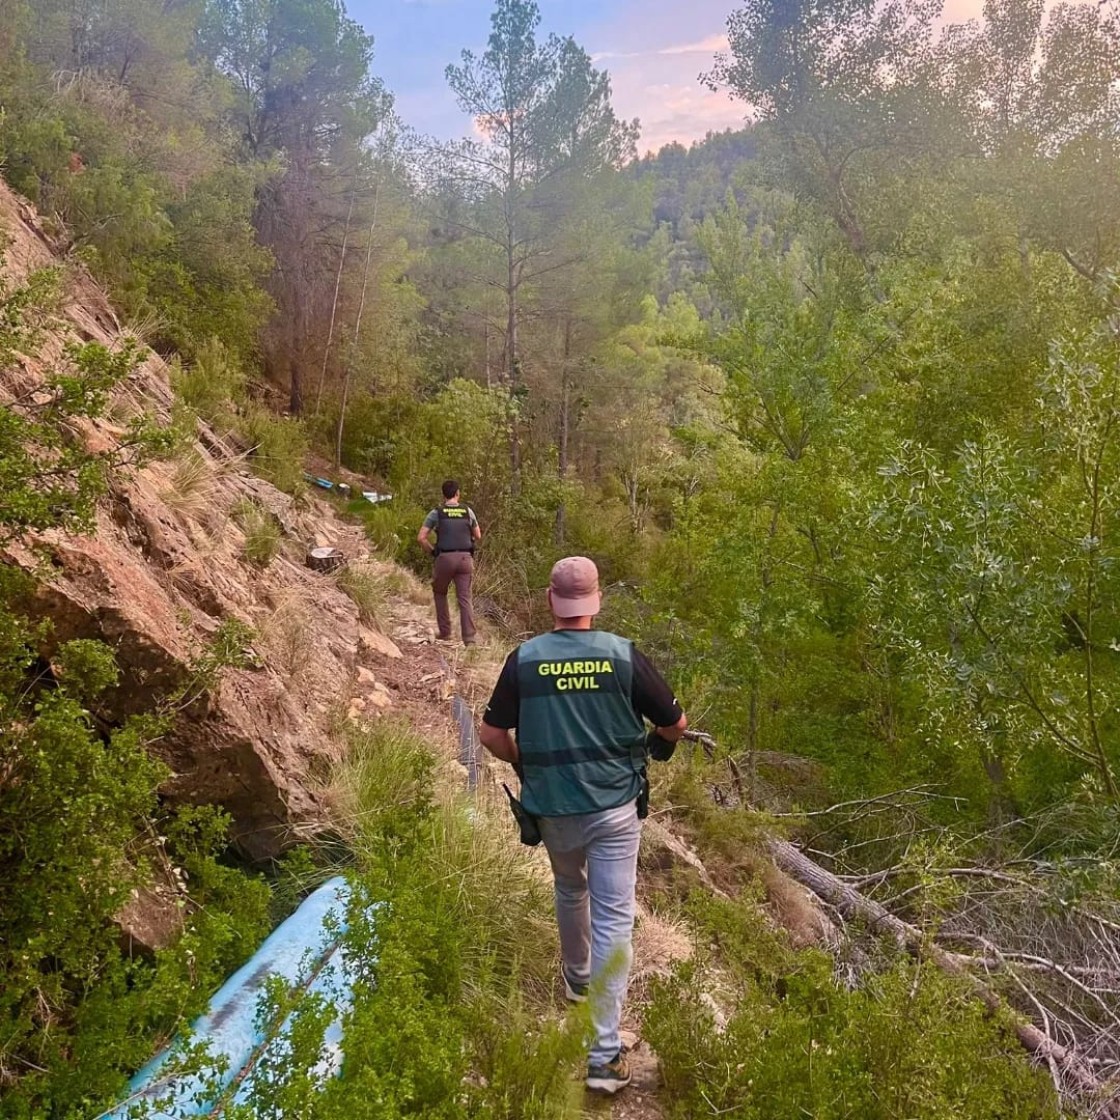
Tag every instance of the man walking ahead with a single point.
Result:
(457, 531)
(577, 698)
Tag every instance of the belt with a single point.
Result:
(447, 551)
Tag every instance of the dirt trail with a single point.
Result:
(422, 683)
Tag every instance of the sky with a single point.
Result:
(655, 51)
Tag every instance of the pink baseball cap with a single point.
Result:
(574, 585)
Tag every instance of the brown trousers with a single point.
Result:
(457, 568)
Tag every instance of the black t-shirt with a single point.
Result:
(650, 696)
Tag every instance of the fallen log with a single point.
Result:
(853, 905)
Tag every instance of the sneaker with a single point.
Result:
(573, 993)
(611, 1077)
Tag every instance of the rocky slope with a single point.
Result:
(161, 574)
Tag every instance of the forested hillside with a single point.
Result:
(833, 401)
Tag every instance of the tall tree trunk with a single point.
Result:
(334, 307)
(754, 715)
(565, 423)
(1001, 801)
(486, 343)
(291, 241)
(357, 334)
(513, 370)
(512, 358)
(752, 741)
(295, 357)
(1094, 486)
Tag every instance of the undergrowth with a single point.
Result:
(457, 985)
(81, 824)
(452, 952)
(214, 385)
(392, 528)
(909, 1041)
(279, 447)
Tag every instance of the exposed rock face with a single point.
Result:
(161, 573)
(152, 919)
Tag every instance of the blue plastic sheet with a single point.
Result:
(303, 951)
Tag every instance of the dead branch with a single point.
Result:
(704, 739)
(880, 803)
(880, 921)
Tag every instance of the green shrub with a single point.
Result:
(376, 430)
(230, 908)
(450, 942)
(392, 527)
(214, 385)
(76, 1014)
(262, 533)
(279, 448)
(455, 947)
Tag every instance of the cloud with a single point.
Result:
(709, 45)
(655, 76)
(660, 85)
(684, 113)
(606, 56)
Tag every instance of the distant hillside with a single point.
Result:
(687, 185)
(690, 182)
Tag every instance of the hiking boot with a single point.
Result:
(573, 993)
(611, 1077)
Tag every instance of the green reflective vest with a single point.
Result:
(582, 744)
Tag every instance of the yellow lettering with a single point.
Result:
(577, 684)
(572, 671)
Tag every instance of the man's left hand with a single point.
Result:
(660, 750)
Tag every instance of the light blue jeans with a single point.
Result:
(595, 865)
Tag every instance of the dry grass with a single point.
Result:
(287, 637)
(659, 943)
(375, 587)
(142, 329)
(502, 892)
(191, 486)
(122, 409)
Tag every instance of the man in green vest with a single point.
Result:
(577, 699)
(457, 531)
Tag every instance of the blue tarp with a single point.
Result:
(303, 951)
